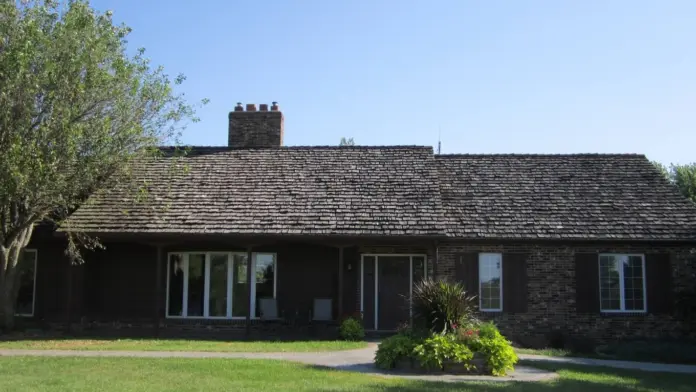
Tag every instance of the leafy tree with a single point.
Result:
(347, 142)
(76, 111)
(683, 176)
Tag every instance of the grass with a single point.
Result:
(666, 352)
(33, 374)
(180, 345)
(549, 352)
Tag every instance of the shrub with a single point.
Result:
(393, 349)
(437, 349)
(413, 332)
(489, 331)
(441, 305)
(466, 335)
(352, 329)
(500, 356)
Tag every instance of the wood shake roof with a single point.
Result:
(584, 196)
(352, 191)
(398, 191)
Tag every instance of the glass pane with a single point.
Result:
(418, 268)
(633, 282)
(240, 297)
(176, 285)
(609, 283)
(27, 271)
(265, 274)
(196, 284)
(490, 272)
(217, 299)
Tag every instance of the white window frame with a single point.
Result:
(253, 272)
(33, 298)
(622, 293)
(206, 289)
(480, 260)
(376, 271)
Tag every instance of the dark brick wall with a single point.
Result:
(551, 293)
(255, 129)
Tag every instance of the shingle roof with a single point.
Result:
(561, 197)
(290, 190)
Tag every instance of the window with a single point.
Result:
(27, 283)
(264, 265)
(491, 282)
(214, 284)
(622, 283)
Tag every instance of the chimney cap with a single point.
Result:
(251, 107)
(239, 107)
(275, 106)
(263, 107)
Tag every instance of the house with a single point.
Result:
(586, 245)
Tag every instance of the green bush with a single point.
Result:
(433, 350)
(437, 349)
(441, 305)
(393, 349)
(500, 356)
(489, 331)
(352, 329)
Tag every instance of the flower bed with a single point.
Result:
(478, 350)
(451, 341)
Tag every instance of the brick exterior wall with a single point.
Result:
(255, 129)
(551, 293)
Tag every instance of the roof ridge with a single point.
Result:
(318, 147)
(540, 155)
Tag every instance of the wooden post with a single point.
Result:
(436, 260)
(249, 282)
(340, 282)
(158, 291)
(68, 294)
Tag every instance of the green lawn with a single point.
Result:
(678, 353)
(30, 374)
(180, 345)
(549, 352)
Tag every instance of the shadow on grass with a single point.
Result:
(170, 334)
(572, 378)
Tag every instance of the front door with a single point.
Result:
(386, 289)
(393, 291)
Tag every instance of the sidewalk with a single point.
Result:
(361, 361)
(356, 360)
(644, 366)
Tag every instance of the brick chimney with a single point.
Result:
(255, 128)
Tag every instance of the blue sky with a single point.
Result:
(533, 76)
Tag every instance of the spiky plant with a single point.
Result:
(441, 305)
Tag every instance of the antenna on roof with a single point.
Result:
(439, 142)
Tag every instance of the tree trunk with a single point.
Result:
(9, 277)
(7, 307)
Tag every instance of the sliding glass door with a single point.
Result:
(214, 284)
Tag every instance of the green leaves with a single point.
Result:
(683, 176)
(442, 305)
(77, 110)
(394, 348)
(500, 356)
(435, 350)
(351, 329)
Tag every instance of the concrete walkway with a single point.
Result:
(362, 361)
(350, 360)
(644, 366)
